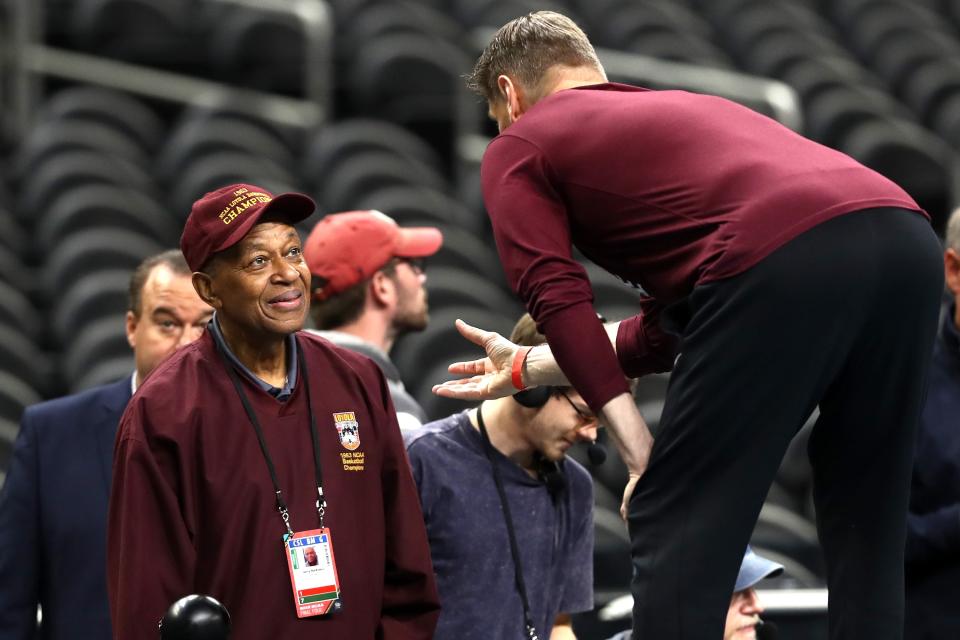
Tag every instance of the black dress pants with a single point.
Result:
(843, 317)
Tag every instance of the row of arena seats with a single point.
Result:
(878, 79)
(854, 94)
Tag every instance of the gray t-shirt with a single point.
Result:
(469, 543)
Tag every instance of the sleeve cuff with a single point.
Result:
(643, 347)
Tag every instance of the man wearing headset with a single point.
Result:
(475, 544)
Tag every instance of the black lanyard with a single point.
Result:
(514, 551)
(251, 414)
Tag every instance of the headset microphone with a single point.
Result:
(596, 453)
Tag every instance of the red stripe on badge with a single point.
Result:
(313, 592)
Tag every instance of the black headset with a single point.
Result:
(535, 397)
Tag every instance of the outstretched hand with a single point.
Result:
(490, 377)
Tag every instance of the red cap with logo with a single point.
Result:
(346, 248)
(221, 218)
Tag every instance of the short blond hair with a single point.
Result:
(525, 332)
(527, 47)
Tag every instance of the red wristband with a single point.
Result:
(517, 371)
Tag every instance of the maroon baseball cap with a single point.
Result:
(221, 218)
(347, 248)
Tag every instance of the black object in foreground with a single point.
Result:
(195, 617)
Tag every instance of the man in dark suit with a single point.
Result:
(53, 507)
(933, 522)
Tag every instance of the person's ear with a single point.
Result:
(203, 285)
(382, 289)
(513, 95)
(131, 322)
(951, 271)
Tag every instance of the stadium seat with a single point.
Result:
(94, 343)
(849, 13)
(871, 29)
(722, 11)
(450, 289)
(101, 294)
(20, 357)
(17, 312)
(260, 49)
(909, 155)
(105, 206)
(411, 81)
(380, 20)
(833, 113)
(495, 13)
(634, 21)
(16, 274)
(115, 109)
(150, 32)
(903, 52)
(62, 173)
(15, 396)
(930, 85)
(946, 120)
(413, 206)
(8, 435)
(217, 169)
(94, 250)
(56, 138)
(109, 370)
(13, 237)
(746, 28)
(810, 76)
(777, 51)
(463, 250)
(347, 182)
(680, 47)
(197, 138)
(223, 108)
(337, 142)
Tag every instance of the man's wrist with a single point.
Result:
(518, 366)
(540, 368)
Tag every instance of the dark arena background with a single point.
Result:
(115, 115)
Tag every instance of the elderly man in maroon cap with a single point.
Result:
(257, 442)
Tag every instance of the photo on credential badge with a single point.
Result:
(310, 557)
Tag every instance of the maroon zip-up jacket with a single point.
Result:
(664, 189)
(192, 508)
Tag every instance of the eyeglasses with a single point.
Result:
(585, 416)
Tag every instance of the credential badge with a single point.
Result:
(348, 429)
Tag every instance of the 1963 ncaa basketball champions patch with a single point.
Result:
(348, 429)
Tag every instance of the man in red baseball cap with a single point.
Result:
(257, 441)
(369, 289)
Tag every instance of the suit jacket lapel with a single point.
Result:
(113, 401)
